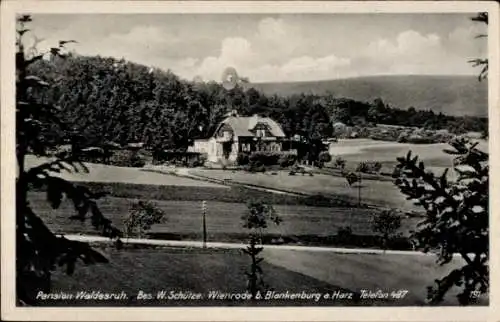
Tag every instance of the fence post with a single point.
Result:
(204, 212)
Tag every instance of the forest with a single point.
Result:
(110, 100)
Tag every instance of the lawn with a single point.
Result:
(369, 271)
(202, 271)
(379, 193)
(223, 219)
(112, 174)
(357, 150)
(183, 270)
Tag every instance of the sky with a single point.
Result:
(275, 48)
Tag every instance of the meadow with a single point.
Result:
(307, 219)
(198, 270)
(373, 192)
(113, 174)
(358, 150)
(301, 224)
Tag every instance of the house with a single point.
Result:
(241, 134)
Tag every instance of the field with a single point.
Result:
(113, 174)
(223, 219)
(379, 193)
(357, 150)
(198, 270)
(385, 272)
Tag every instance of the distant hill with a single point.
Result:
(452, 95)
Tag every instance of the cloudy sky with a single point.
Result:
(268, 48)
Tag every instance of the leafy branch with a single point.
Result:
(478, 62)
(457, 220)
(39, 250)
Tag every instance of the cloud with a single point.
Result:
(272, 28)
(143, 37)
(268, 55)
(271, 56)
(305, 68)
(411, 52)
(284, 48)
(408, 44)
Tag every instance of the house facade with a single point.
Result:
(241, 134)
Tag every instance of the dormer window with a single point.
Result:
(227, 135)
(260, 130)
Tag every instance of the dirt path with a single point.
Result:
(199, 244)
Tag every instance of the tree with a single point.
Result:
(256, 219)
(457, 212)
(106, 99)
(456, 219)
(386, 223)
(38, 249)
(481, 62)
(141, 217)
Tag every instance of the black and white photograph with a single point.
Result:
(249, 159)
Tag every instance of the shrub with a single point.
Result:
(268, 158)
(344, 234)
(376, 166)
(141, 217)
(418, 139)
(403, 137)
(137, 161)
(260, 168)
(386, 223)
(287, 160)
(243, 158)
(193, 163)
(324, 157)
(339, 163)
(396, 173)
(126, 158)
(369, 167)
(203, 158)
(363, 167)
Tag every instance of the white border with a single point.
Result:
(10, 312)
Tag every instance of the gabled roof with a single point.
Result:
(242, 125)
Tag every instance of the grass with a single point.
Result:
(373, 272)
(305, 224)
(378, 193)
(235, 194)
(202, 271)
(184, 270)
(358, 150)
(112, 174)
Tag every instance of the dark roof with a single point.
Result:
(242, 125)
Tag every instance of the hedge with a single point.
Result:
(268, 158)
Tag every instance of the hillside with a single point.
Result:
(452, 95)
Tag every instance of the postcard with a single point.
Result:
(245, 161)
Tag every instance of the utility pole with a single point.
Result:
(359, 188)
(204, 213)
